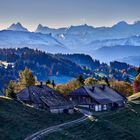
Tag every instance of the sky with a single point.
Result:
(64, 13)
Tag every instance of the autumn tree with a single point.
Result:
(26, 78)
(69, 87)
(136, 84)
(90, 81)
(10, 91)
(124, 88)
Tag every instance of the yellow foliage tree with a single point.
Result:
(124, 88)
(26, 79)
(90, 81)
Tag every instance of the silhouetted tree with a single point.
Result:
(53, 83)
(107, 82)
(81, 79)
(48, 82)
(138, 70)
(127, 80)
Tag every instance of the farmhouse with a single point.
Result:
(97, 97)
(44, 97)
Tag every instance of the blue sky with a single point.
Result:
(59, 13)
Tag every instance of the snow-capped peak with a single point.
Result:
(17, 27)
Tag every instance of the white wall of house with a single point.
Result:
(71, 111)
(100, 107)
(56, 111)
(87, 106)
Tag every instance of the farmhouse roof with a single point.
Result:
(100, 93)
(44, 94)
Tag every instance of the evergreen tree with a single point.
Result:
(107, 82)
(127, 80)
(48, 82)
(81, 79)
(10, 91)
(53, 83)
(138, 70)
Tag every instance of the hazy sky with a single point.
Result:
(59, 13)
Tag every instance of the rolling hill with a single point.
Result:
(117, 52)
(119, 125)
(17, 121)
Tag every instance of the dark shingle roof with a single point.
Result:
(44, 94)
(100, 93)
(80, 91)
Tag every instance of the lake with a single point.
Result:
(61, 79)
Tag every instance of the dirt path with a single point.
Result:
(44, 132)
(55, 128)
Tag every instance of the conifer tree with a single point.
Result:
(10, 91)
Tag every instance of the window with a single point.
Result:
(104, 107)
(96, 108)
(100, 107)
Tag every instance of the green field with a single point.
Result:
(119, 125)
(18, 121)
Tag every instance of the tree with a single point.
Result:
(10, 91)
(127, 80)
(48, 82)
(90, 81)
(138, 70)
(136, 84)
(26, 78)
(107, 82)
(53, 83)
(81, 79)
(69, 87)
(124, 88)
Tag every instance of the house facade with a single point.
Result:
(47, 98)
(97, 97)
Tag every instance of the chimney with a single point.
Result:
(92, 89)
(41, 84)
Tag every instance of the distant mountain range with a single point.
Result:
(133, 60)
(17, 27)
(19, 39)
(118, 52)
(84, 35)
(78, 39)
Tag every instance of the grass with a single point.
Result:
(18, 121)
(119, 125)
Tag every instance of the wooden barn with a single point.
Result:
(45, 97)
(97, 97)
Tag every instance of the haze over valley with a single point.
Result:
(95, 41)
